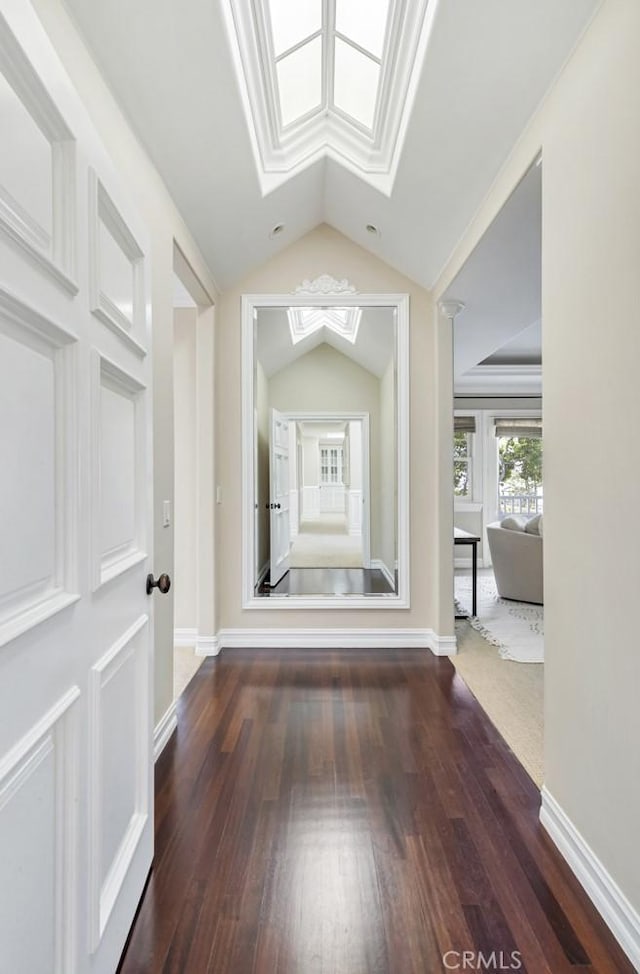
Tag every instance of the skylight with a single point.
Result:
(347, 38)
(305, 321)
(328, 77)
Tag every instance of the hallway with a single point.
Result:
(350, 814)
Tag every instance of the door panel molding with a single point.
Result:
(52, 740)
(106, 879)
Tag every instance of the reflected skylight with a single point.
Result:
(305, 321)
(300, 81)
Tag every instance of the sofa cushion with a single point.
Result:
(514, 522)
(534, 524)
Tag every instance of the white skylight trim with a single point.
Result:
(304, 322)
(371, 55)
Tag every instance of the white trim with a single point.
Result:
(164, 729)
(442, 645)
(401, 600)
(336, 639)
(618, 913)
(185, 637)
(500, 379)
(208, 645)
(377, 563)
(264, 571)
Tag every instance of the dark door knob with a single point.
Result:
(277, 507)
(162, 583)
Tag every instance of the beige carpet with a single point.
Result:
(325, 544)
(510, 693)
(185, 666)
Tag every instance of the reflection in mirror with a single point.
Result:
(325, 452)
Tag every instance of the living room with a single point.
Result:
(498, 492)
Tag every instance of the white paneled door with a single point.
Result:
(76, 809)
(280, 540)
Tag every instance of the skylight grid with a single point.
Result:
(364, 22)
(294, 22)
(300, 81)
(304, 322)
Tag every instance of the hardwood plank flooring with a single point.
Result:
(351, 813)
(329, 581)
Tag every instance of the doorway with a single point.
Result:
(194, 612)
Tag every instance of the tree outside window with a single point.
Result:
(462, 459)
(520, 460)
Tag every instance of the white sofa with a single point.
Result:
(516, 553)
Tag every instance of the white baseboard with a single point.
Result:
(164, 729)
(185, 637)
(336, 639)
(620, 916)
(208, 645)
(386, 571)
(442, 645)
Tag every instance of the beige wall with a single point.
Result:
(165, 225)
(589, 133)
(325, 251)
(325, 380)
(185, 582)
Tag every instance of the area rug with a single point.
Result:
(516, 629)
(510, 693)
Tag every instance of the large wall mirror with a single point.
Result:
(325, 451)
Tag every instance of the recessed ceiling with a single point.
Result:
(173, 70)
(501, 281)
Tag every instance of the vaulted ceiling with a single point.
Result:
(487, 66)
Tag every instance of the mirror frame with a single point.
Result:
(250, 305)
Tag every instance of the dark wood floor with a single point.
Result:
(352, 813)
(329, 581)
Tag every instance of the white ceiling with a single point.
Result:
(487, 67)
(373, 349)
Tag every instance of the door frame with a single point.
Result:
(340, 417)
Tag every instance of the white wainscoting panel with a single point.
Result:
(355, 512)
(118, 794)
(118, 472)
(332, 498)
(116, 271)
(36, 445)
(310, 503)
(38, 839)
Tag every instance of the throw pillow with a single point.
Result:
(534, 524)
(515, 522)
